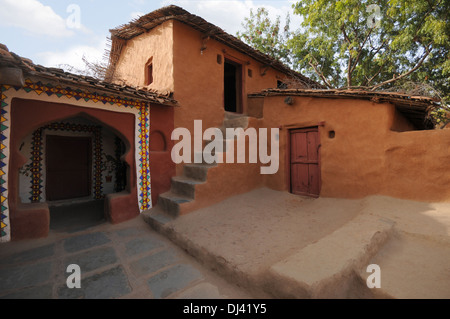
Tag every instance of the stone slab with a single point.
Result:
(140, 245)
(109, 284)
(173, 279)
(93, 259)
(154, 262)
(81, 242)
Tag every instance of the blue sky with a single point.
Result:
(57, 32)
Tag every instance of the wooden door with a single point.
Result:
(305, 161)
(68, 167)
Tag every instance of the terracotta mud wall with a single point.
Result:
(373, 150)
(199, 78)
(351, 165)
(162, 168)
(156, 44)
(418, 165)
(226, 180)
(32, 220)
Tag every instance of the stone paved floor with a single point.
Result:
(127, 260)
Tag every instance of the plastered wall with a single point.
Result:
(156, 44)
(199, 78)
(373, 151)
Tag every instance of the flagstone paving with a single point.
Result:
(128, 260)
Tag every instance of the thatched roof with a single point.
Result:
(417, 109)
(11, 60)
(151, 20)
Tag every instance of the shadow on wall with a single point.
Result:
(417, 165)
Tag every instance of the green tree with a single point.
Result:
(266, 36)
(396, 45)
(374, 43)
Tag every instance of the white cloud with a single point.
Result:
(229, 15)
(34, 17)
(73, 56)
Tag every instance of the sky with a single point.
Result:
(56, 33)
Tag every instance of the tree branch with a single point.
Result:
(418, 65)
(349, 66)
(320, 74)
(360, 50)
(375, 75)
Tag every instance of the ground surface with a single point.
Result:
(310, 247)
(273, 244)
(128, 260)
(259, 228)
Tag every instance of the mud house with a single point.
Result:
(66, 136)
(168, 69)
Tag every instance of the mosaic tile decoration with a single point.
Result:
(48, 89)
(4, 218)
(39, 88)
(37, 156)
(145, 188)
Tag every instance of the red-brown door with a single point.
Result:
(305, 161)
(68, 167)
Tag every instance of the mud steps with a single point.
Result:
(183, 187)
(330, 268)
(413, 267)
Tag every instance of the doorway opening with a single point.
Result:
(69, 166)
(232, 86)
(73, 164)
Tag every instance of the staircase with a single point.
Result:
(170, 204)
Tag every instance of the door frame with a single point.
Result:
(288, 158)
(239, 88)
(90, 173)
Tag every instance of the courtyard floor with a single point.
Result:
(297, 247)
(128, 260)
(262, 244)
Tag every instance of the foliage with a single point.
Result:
(348, 43)
(371, 44)
(267, 36)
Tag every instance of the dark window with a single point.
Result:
(232, 86)
(281, 85)
(149, 72)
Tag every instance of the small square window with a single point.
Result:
(219, 59)
(281, 85)
(250, 73)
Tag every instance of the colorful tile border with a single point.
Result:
(143, 127)
(145, 188)
(37, 156)
(4, 218)
(48, 89)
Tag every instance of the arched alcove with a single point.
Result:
(104, 131)
(158, 142)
